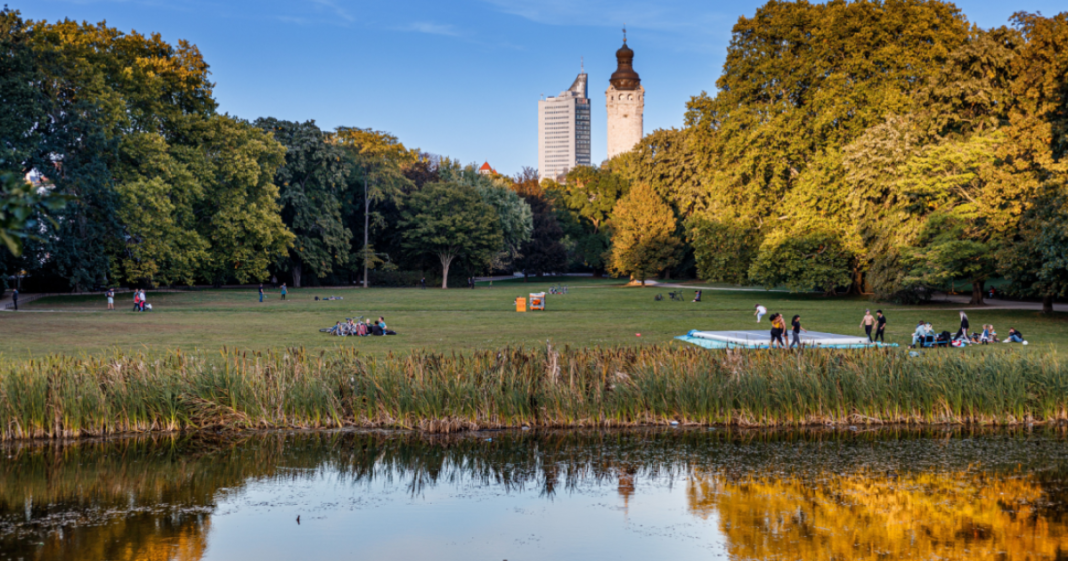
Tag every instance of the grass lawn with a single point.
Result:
(595, 312)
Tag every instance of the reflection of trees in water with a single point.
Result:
(151, 498)
(942, 515)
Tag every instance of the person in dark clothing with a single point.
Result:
(697, 296)
(422, 283)
(797, 329)
(880, 326)
(261, 292)
(963, 332)
(15, 298)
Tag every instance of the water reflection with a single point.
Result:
(897, 494)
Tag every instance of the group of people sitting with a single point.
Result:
(925, 335)
(359, 328)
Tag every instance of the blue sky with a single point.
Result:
(457, 78)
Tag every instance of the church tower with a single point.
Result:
(626, 103)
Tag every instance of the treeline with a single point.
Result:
(888, 147)
(141, 181)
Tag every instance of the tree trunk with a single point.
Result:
(446, 261)
(297, 270)
(1047, 304)
(977, 292)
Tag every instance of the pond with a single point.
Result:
(641, 494)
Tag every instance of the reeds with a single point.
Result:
(58, 396)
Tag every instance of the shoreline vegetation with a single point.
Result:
(65, 397)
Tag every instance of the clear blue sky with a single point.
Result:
(459, 78)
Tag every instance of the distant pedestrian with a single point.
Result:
(137, 300)
(111, 298)
(472, 283)
(422, 283)
(261, 292)
(144, 300)
(697, 296)
(760, 312)
(284, 291)
(880, 326)
(797, 329)
(867, 323)
(15, 298)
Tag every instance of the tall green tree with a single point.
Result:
(450, 221)
(643, 241)
(312, 183)
(813, 259)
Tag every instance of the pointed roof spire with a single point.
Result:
(625, 78)
(624, 34)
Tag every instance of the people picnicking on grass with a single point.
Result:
(359, 327)
(925, 336)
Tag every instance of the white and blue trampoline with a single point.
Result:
(762, 340)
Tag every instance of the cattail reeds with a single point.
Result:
(60, 396)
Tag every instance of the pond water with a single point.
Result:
(665, 494)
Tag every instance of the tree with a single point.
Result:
(239, 213)
(592, 193)
(311, 185)
(644, 241)
(377, 160)
(516, 220)
(450, 221)
(724, 248)
(545, 251)
(803, 261)
(1037, 263)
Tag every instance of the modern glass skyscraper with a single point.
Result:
(564, 130)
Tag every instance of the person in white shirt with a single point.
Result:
(760, 312)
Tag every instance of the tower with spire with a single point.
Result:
(625, 99)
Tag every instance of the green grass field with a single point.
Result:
(595, 312)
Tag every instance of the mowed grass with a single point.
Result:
(596, 312)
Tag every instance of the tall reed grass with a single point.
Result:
(61, 396)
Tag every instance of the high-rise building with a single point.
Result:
(625, 98)
(564, 130)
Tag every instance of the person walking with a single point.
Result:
(261, 293)
(760, 312)
(144, 300)
(778, 327)
(137, 300)
(867, 323)
(880, 326)
(797, 329)
(284, 291)
(111, 298)
(422, 283)
(15, 298)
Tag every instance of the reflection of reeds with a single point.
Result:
(62, 396)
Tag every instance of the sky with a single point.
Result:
(457, 78)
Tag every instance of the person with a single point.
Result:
(992, 335)
(261, 292)
(697, 296)
(795, 323)
(111, 298)
(284, 291)
(361, 329)
(867, 323)
(1014, 336)
(992, 293)
(137, 300)
(472, 283)
(382, 323)
(962, 333)
(336, 330)
(778, 327)
(760, 311)
(920, 334)
(15, 298)
(422, 283)
(144, 300)
(880, 326)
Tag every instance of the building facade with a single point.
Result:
(625, 99)
(564, 130)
